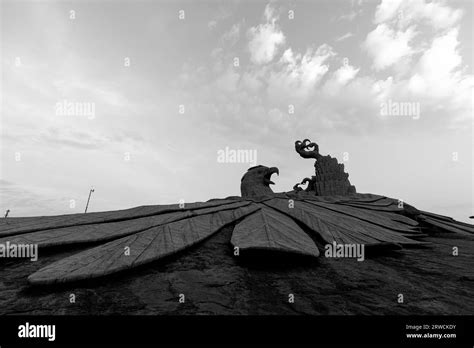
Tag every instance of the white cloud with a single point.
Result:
(339, 79)
(351, 15)
(212, 24)
(232, 36)
(387, 46)
(407, 12)
(439, 61)
(424, 69)
(387, 10)
(398, 22)
(344, 37)
(438, 76)
(435, 76)
(270, 14)
(345, 73)
(296, 76)
(265, 39)
(437, 80)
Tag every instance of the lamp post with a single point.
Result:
(88, 199)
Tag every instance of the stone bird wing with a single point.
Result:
(293, 222)
(144, 246)
(47, 231)
(260, 227)
(367, 219)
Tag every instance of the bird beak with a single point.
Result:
(267, 178)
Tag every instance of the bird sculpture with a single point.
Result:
(301, 221)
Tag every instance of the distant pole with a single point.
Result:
(6, 213)
(88, 199)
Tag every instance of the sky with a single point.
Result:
(137, 99)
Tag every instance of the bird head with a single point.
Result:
(307, 149)
(256, 182)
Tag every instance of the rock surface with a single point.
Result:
(214, 281)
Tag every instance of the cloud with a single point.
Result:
(346, 97)
(71, 138)
(387, 46)
(340, 78)
(398, 22)
(439, 61)
(241, 107)
(270, 14)
(24, 200)
(265, 39)
(350, 16)
(345, 73)
(407, 12)
(345, 36)
(387, 10)
(438, 77)
(438, 82)
(212, 24)
(218, 15)
(435, 76)
(232, 36)
(297, 75)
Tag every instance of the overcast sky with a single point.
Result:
(174, 82)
